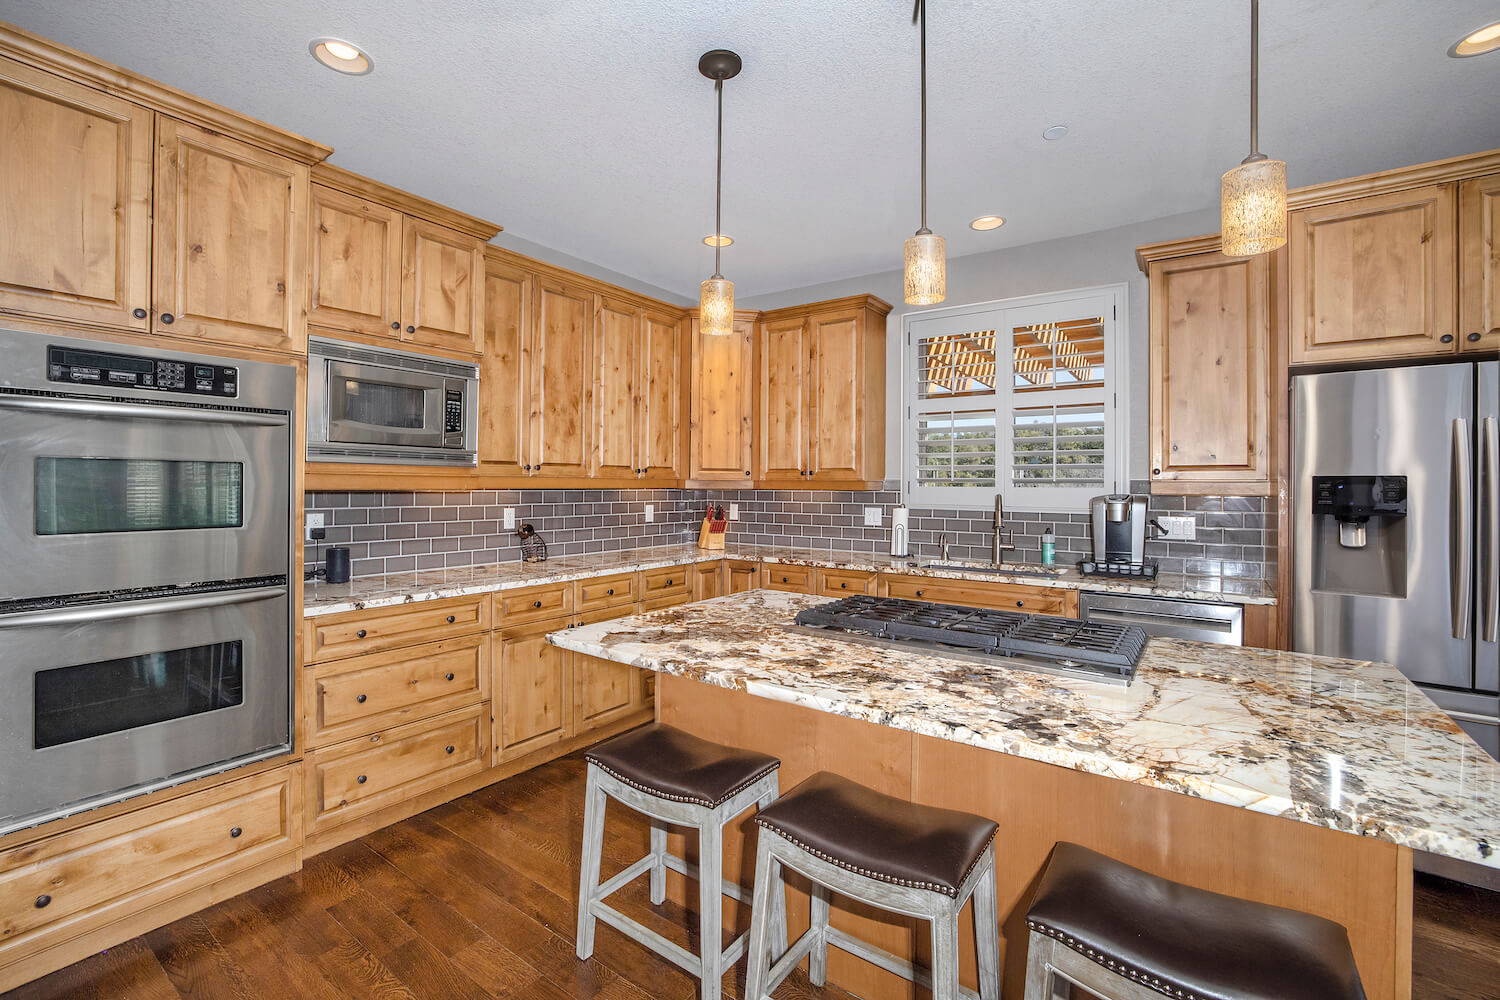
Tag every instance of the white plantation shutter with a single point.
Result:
(956, 449)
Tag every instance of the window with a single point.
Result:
(1018, 396)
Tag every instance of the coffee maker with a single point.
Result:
(1119, 530)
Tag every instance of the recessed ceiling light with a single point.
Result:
(1054, 132)
(721, 240)
(986, 222)
(341, 56)
(1477, 43)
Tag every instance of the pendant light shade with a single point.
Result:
(716, 299)
(926, 253)
(1252, 196)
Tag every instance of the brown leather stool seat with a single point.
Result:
(1189, 943)
(879, 836)
(680, 767)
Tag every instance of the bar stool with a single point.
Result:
(672, 777)
(886, 852)
(1124, 933)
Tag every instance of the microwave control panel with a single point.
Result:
(453, 412)
(129, 371)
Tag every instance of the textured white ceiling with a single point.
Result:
(585, 127)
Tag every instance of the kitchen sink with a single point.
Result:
(1039, 571)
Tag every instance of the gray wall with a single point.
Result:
(1102, 258)
(578, 264)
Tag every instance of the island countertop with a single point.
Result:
(1342, 744)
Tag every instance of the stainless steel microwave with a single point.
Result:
(378, 405)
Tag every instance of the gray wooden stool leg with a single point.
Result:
(659, 866)
(767, 881)
(817, 959)
(778, 898)
(593, 853)
(711, 907)
(945, 954)
(986, 933)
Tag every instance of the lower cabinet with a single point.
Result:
(1000, 596)
(797, 579)
(844, 582)
(708, 580)
(741, 575)
(604, 691)
(533, 689)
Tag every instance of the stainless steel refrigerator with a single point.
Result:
(1396, 528)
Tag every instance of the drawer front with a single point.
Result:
(658, 583)
(363, 775)
(667, 600)
(798, 579)
(92, 875)
(843, 582)
(331, 637)
(364, 694)
(606, 592)
(1005, 597)
(513, 607)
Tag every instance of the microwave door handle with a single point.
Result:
(135, 609)
(105, 408)
(1460, 529)
(1488, 525)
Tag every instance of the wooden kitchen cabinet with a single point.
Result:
(561, 358)
(605, 691)
(1479, 263)
(76, 166)
(844, 582)
(1374, 278)
(708, 580)
(616, 370)
(442, 287)
(229, 241)
(720, 439)
(1210, 364)
(533, 689)
(355, 280)
(742, 575)
(660, 428)
(779, 576)
(505, 370)
(783, 364)
(978, 594)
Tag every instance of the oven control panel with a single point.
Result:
(127, 371)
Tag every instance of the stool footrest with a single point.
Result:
(670, 950)
(733, 890)
(885, 960)
(625, 877)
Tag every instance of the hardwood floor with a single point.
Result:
(474, 899)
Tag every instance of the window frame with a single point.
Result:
(1003, 315)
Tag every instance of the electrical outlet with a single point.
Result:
(314, 520)
(1179, 529)
(872, 517)
(650, 512)
(734, 512)
(510, 519)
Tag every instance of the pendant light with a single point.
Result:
(926, 253)
(1252, 202)
(716, 301)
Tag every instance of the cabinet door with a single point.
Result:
(743, 576)
(708, 580)
(1210, 372)
(1374, 277)
(604, 690)
(836, 422)
(442, 277)
(660, 392)
(355, 249)
(533, 688)
(229, 246)
(76, 219)
(1479, 279)
(505, 373)
(617, 332)
(784, 395)
(720, 411)
(561, 345)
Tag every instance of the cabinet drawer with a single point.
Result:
(513, 607)
(364, 775)
(843, 582)
(669, 599)
(1006, 597)
(329, 637)
(606, 592)
(657, 583)
(364, 694)
(95, 874)
(798, 579)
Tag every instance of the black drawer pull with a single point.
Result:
(536, 604)
(920, 593)
(1020, 604)
(784, 580)
(450, 619)
(42, 901)
(1446, 338)
(1473, 338)
(360, 634)
(361, 698)
(411, 329)
(167, 318)
(234, 832)
(448, 676)
(449, 748)
(670, 582)
(396, 326)
(138, 313)
(843, 586)
(361, 779)
(610, 592)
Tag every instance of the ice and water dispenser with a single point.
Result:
(1359, 535)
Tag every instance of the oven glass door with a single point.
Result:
(100, 496)
(105, 700)
(372, 404)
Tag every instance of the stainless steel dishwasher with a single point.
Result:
(1202, 621)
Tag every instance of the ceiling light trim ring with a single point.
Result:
(361, 65)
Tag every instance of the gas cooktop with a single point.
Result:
(1091, 650)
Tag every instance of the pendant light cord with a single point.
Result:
(920, 16)
(719, 183)
(1255, 79)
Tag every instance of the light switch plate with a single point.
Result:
(1179, 529)
(314, 520)
(650, 512)
(872, 517)
(510, 518)
(734, 512)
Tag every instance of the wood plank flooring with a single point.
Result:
(474, 899)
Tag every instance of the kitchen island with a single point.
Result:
(1296, 780)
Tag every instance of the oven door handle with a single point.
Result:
(135, 609)
(105, 408)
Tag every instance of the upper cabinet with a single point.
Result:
(1479, 263)
(76, 217)
(1211, 357)
(636, 395)
(720, 439)
(660, 427)
(820, 394)
(505, 385)
(1374, 277)
(389, 265)
(562, 349)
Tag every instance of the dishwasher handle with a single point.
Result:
(1124, 617)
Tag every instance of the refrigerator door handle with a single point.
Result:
(1460, 529)
(1489, 530)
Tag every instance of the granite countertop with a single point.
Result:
(430, 585)
(1343, 744)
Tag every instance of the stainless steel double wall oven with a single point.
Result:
(145, 594)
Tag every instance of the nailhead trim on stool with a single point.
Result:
(693, 799)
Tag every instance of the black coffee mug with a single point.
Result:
(336, 566)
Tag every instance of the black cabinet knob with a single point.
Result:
(449, 748)
(539, 466)
(360, 634)
(451, 619)
(448, 677)
(138, 313)
(920, 593)
(670, 582)
(411, 329)
(361, 779)
(361, 698)
(784, 580)
(42, 901)
(747, 472)
(1446, 338)
(167, 318)
(234, 832)
(1020, 604)
(528, 468)
(395, 326)
(1473, 338)
(1156, 472)
(536, 604)
(610, 592)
